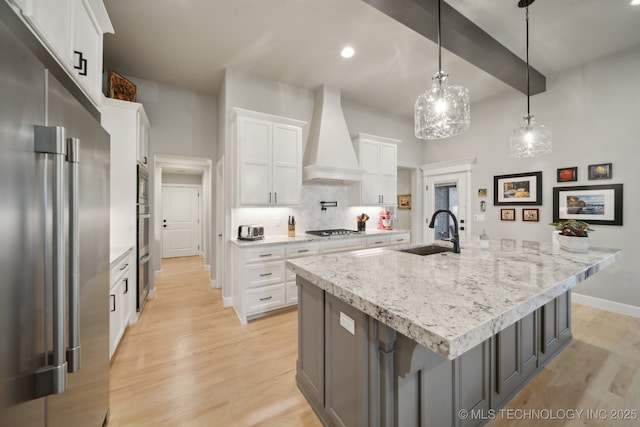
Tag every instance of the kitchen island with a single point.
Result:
(389, 338)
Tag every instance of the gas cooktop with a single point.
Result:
(334, 232)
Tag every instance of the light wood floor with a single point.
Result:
(189, 362)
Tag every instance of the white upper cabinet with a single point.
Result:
(73, 31)
(269, 159)
(378, 157)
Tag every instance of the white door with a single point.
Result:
(445, 191)
(180, 221)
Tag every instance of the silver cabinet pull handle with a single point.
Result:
(52, 379)
(269, 196)
(276, 197)
(73, 351)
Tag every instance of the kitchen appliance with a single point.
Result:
(331, 232)
(250, 232)
(142, 231)
(385, 222)
(54, 286)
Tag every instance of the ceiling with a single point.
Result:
(188, 43)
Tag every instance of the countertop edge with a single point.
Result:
(117, 253)
(452, 348)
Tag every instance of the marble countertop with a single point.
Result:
(277, 239)
(450, 302)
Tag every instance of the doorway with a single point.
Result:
(447, 186)
(181, 212)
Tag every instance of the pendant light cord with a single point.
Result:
(528, 96)
(439, 45)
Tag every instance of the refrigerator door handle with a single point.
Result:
(73, 351)
(52, 379)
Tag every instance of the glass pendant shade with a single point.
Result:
(443, 110)
(530, 140)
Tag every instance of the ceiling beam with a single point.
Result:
(463, 38)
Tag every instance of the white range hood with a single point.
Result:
(329, 154)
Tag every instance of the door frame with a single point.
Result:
(462, 168)
(200, 217)
(160, 162)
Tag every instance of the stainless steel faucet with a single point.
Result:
(456, 237)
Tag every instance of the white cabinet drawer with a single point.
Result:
(342, 245)
(263, 274)
(292, 292)
(376, 241)
(120, 268)
(296, 250)
(268, 253)
(400, 239)
(264, 298)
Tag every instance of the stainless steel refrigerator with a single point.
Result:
(54, 242)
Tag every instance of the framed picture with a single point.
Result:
(600, 171)
(518, 189)
(482, 192)
(568, 174)
(530, 215)
(594, 204)
(508, 214)
(404, 201)
(120, 88)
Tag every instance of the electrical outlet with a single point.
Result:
(277, 221)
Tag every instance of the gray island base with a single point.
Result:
(367, 359)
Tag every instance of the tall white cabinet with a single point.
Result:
(128, 125)
(378, 156)
(268, 154)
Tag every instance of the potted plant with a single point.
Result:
(573, 235)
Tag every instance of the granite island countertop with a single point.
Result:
(450, 302)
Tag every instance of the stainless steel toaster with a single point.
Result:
(250, 232)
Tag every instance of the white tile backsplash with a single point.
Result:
(308, 215)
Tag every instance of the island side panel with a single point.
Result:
(310, 369)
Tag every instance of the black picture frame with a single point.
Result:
(506, 189)
(567, 174)
(583, 203)
(600, 171)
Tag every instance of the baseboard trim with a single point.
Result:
(603, 304)
(157, 272)
(152, 293)
(207, 267)
(213, 284)
(227, 301)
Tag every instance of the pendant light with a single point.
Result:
(531, 139)
(443, 110)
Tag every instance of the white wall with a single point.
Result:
(593, 112)
(184, 124)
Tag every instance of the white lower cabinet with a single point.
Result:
(262, 283)
(121, 298)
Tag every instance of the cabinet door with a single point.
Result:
(52, 21)
(388, 174)
(346, 382)
(287, 164)
(86, 52)
(554, 325)
(115, 317)
(370, 161)
(473, 382)
(143, 141)
(254, 172)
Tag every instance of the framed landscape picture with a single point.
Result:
(518, 189)
(594, 204)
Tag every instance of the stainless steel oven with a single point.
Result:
(143, 234)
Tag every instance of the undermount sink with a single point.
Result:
(427, 250)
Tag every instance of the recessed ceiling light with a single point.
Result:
(347, 52)
(635, 2)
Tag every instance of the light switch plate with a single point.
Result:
(478, 217)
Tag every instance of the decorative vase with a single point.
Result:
(574, 244)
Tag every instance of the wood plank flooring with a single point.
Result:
(189, 362)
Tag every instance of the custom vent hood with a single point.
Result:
(329, 154)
